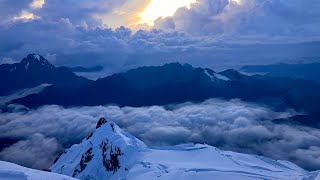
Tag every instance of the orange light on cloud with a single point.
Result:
(237, 1)
(25, 15)
(37, 4)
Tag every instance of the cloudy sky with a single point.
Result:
(122, 34)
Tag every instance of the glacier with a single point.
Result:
(111, 153)
(10, 171)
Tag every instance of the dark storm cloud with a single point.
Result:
(230, 125)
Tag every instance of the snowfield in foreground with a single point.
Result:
(111, 153)
(9, 171)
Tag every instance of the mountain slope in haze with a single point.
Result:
(179, 83)
(33, 71)
(9, 171)
(111, 153)
(86, 69)
(297, 71)
(160, 85)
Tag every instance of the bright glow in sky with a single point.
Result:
(36, 4)
(25, 15)
(161, 8)
(237, 1)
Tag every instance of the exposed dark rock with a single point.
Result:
(48, 170)
(86, 157)
(110, 160)
(63, 152)
(90, 135)
(101, 122)
(112, 127)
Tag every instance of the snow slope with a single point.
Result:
(215, 76)
(111, 153)
(9, 171)
(22, 93)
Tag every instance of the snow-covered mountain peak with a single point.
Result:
(113, 133)
(107, 152)
(111, 153)
(36, 60)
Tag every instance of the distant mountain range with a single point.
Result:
(156, 85)
(297, 71)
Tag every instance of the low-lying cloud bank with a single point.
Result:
(230, 125)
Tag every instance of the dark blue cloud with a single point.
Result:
(10, 8)
(84, 12)
(250, 17)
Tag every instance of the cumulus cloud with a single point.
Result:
(9, 9)
(83, 12)
(65, 43)
(248, 17)
(230, 125)
(217, 34)
(37, 4)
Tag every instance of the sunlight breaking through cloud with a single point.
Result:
(37, 4)
(162, 8)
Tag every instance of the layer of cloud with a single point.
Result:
(65, 43)
(34, 152)
(10, 9)
(230, 125)
(247, 17)
(84, 12)
(223, 34)
(205, 17)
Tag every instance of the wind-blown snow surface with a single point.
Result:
(9, 171)
(111, 153)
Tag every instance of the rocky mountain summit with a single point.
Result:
(33, 71)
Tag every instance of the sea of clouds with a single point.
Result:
(41, 134)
